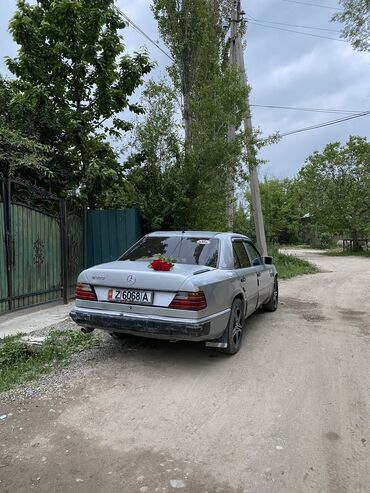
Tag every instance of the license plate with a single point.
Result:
(132, 296)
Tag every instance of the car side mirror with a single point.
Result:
(267, 260)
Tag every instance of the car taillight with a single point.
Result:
(85, 292)
(189, 301)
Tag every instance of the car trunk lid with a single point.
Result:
(137, 275)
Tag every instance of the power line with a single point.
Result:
(325, 124)
(312, 4)
(295, 25)
(135, 26)
(312, 127)
(297, 32)
(313, 110)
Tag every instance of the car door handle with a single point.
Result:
(242, 279)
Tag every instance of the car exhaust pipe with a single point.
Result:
(173, 341)
(87, 330)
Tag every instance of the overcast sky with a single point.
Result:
(284, 69)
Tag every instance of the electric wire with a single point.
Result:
(143, 33)
(324, 124)
(297, 32)
(312, 4)
(294, 25)
(313, 110)
(312, 127)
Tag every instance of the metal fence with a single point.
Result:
(42, 245)
(110, 233)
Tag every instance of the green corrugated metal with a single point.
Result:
(110, 233)
(37, 256)
(3, 273)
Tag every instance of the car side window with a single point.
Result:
(241, 259)
(254, 256)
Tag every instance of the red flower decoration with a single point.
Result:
(162, 264)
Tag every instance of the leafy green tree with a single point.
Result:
(356, 19)
(281, 209)
(242, 223)
(214, 99)
(72, 70)
(336, 184)
(20, 153)
(155, 165)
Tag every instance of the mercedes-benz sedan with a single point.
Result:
(189, 285)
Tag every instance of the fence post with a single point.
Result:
(84, 211)
(64, 248)
(8, 240)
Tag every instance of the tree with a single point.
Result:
(214, 99)
(72, 71)
(20, 153)
(155, 165)
(281, 209)
(356, 19)
(336, 183)
(242, 222)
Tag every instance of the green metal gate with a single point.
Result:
(36, 259)
(43, 238)
(41, 245)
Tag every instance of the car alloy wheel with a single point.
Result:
(235, 326)
(237, 329)
(276, 293)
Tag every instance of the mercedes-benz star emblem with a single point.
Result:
(131, 279)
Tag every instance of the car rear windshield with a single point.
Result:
(185, 250)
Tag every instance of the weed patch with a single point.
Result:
(289, 265)
(19, 363)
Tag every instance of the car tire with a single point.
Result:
(235, 328)
(272, 304)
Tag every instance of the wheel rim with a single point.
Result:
(276, 293)
(237, 326)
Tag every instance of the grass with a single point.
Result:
(347, 253)
(290, 266)
(20, 364)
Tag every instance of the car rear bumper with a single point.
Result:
(156, 327)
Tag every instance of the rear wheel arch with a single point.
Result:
(272, 303)
(234, 330)
(243, 300)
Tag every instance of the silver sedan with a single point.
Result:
(186, 285)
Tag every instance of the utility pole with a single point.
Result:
(238, 56)
(233, 60)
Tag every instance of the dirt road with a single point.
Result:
(289, 413)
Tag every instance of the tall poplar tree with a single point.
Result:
(213, 99)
